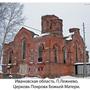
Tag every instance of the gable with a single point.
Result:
(24, 33)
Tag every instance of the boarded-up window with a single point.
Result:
(31, 55)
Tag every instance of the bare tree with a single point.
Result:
(11, 18)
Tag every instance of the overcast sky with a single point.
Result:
(73, 15)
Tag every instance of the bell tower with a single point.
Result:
(51, 24)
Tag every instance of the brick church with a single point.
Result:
(48, 55)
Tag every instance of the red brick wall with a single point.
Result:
(0, 75)
(49, 42)
(52, 24)
(53, 70)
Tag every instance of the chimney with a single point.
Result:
(75, 30)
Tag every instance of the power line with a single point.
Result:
(84, 32)
(84, 52)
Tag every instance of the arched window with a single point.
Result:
(64, 55)
(76, 49)
(55, 49)
(10, 57)
(40, 53)
(23, 49)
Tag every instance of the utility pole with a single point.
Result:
(84, 53)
